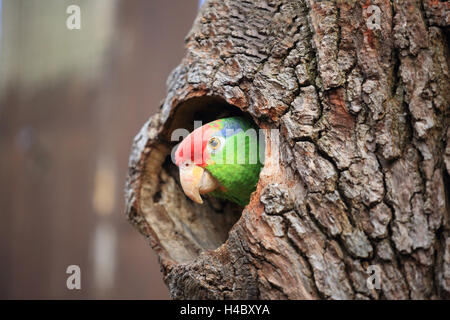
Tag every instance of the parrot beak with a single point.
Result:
(196, 181)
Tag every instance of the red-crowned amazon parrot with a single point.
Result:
(220, 158)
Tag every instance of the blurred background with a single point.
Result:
(71, 102)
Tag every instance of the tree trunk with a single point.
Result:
(355, 188)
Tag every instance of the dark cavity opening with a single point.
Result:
(204, 226)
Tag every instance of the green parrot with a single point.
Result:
(221, 158)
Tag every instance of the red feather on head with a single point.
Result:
(193, 147)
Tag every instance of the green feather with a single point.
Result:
(237, 165)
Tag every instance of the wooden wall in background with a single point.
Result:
(70, 105)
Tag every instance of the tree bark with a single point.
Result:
(356, 181)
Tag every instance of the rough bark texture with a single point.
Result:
(359, 175)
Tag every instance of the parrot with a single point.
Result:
(221, 159)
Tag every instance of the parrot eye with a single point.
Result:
(214, 143)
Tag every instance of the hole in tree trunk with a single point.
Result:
(184, 229)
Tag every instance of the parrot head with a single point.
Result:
(222, 159)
